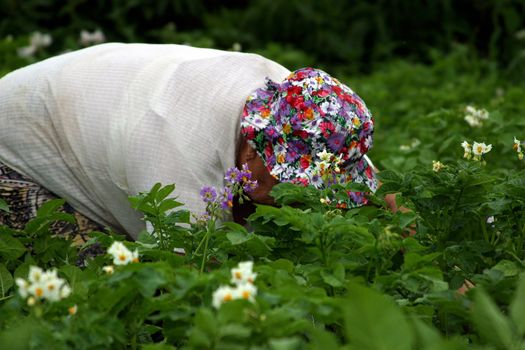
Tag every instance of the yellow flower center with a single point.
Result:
(39, 292)
(246, 294)
(227, 297)
(238, 275)
(122, 257)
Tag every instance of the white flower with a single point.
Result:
(36, 42)
(26, 51)
(242, 277)
(325, 200)
(37, 290)
(87, 38)
(35, 274)
(236, 47)
(23, 287)
(479, 149)
(108, 269)
(517, 148)
(490, 220)
(472, 121)
(246, 291)
(467, 148)
(437, 165)
(42, 285)
(40, 40)
(243, 273)
(475, 117)
(65, 291)
(121, 254)
(222, 295)
(517, 144)
(52, 289)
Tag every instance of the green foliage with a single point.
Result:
(364, 278)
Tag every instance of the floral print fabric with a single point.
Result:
(291, 123)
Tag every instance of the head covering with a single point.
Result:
(313, 130)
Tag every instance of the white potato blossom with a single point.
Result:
(37, 41)
(246, 291)
(243, 273)
(475, 117)
(221, 295)
(243, 278)
(437, 165)
(479, 149)
(467, 147)
(121, 254)
(414, 144)
(517, 148)
(42, 285)
(87, 38)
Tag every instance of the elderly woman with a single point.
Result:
(97, 125)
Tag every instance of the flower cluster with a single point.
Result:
(37, 41)
(42, 285)
(238, 182)
(243, 278)
(437, 166)
(413, 145)
(122, 255)
(475, 117)
(87, 38)
(517, 148)
(475, 151)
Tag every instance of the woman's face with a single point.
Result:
(265, 182)
(247, 155)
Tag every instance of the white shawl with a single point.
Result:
(99, 124)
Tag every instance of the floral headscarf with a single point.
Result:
(309, 121)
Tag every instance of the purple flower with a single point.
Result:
(336, 141)
(250, 186)
(245, 174)
(226, 198)
(232, 175)
(271, 132)
(208, 194)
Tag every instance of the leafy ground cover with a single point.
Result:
(306, 274)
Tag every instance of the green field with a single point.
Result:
(448, 274)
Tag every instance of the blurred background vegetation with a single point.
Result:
(417, 63)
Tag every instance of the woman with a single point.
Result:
(99, 124)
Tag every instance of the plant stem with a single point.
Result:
(209, 231)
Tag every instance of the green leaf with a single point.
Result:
(205, 329)
(290, 343)
(490, 323)
(157, 347)
(509, 268)
(370, 316)
(164, 192)
(4, 206)
(50, 207)
(517, 307)
(6, 280)
(407, 218)
(10, 247)
(168, 204)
